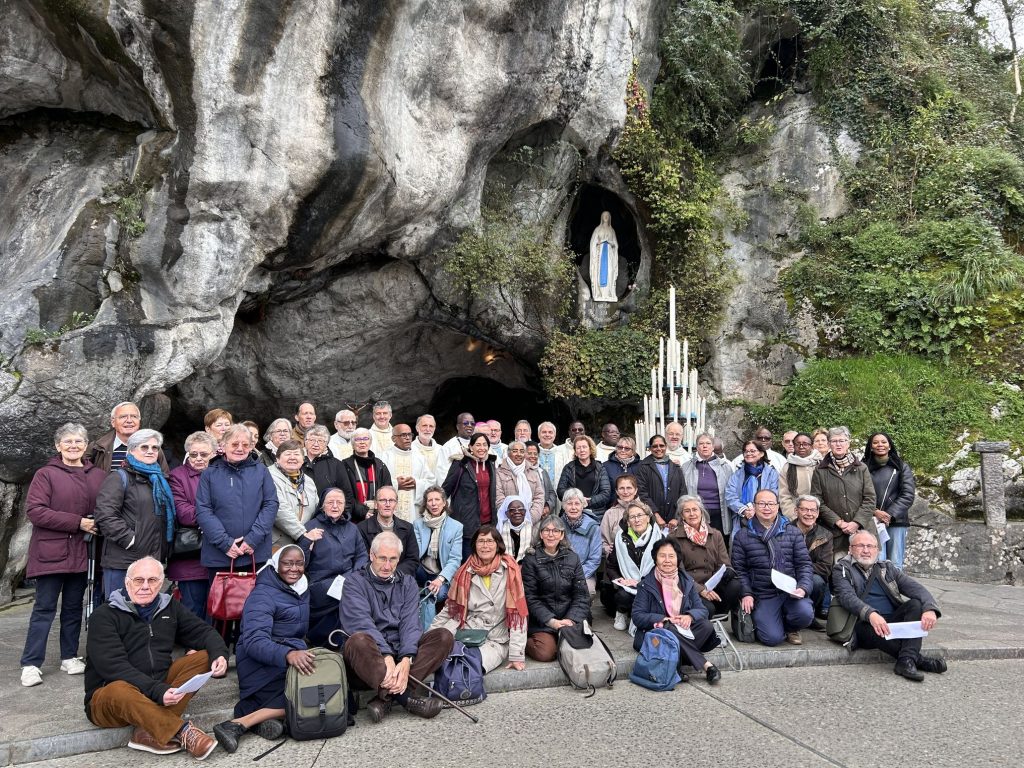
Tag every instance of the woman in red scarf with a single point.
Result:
(487, 594)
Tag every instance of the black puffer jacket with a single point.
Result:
(555, 588)
(124, 646)
(894, 490)
(126, 518)
(651, 488)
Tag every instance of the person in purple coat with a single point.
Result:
(185, 568)
(60, 503)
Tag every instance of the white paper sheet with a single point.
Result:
(716, 577)
(905, 630)
(336, 586)
(784, 581)
(883, 534)
(686, 633)
(618, 582)
(194, 684)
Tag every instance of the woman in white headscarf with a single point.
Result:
(604, 260)
(516, 477)
(515, 527)
(275, 620)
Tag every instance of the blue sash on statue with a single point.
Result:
(603, 281)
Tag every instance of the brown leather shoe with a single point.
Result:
(144, 742)
(378, 708)
(197, 743)
(425, 708)
(793, 638)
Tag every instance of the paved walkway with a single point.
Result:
(48, 721)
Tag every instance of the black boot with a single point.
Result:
(228, 733)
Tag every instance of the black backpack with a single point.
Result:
(316, 705)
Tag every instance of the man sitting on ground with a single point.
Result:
(877, 592)
(129, 677)
(384, 643)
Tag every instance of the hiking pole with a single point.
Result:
(90, 587)
(434, 691)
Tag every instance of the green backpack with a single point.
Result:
(316, 705)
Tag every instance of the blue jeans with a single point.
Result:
(775, 616)
(113, 579)
(820, 596)
(428, 606)
(70, 589)
(193, 595)
(896, 547)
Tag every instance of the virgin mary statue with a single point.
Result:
(604, 260)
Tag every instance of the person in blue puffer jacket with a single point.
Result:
(274, 624)
(334, 547)
(767, 543)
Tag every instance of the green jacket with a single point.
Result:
(848, 496)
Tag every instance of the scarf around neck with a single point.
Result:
(670, 592)
(163, 501)
(516, 611)
(522, 483)
(699, 535)
(627, 567)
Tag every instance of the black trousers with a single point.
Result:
(730, 590)
(909, 650)
(691, 652)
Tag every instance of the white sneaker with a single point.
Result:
(73, 666)
(621, 620)
(31, 676)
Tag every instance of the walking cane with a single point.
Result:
(90, 586)
(437, 693)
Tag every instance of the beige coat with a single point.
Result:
(293, 510)
(787, 495)
(486, 610)
(507, 486)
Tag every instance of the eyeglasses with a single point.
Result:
(636, 518)
(281, 431)
(387, 501)
(148, 448)
(345, 421)
(622, 447)
(863, 546)
(292, 565)
(551, 531)
(199, 454)
(315, 440)
(152, 581)
(766, 504)
(69, 441)
(468, 423)
(838, 441)
(361, 440)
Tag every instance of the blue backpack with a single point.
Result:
(656, 667)
(461, 676)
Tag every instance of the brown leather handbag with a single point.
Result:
(228, 591)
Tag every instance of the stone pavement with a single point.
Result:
(48, 721)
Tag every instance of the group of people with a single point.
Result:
(384, 543)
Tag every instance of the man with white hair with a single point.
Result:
(677, 454)
(522, 431)
(130, 678)
(109, 450)
(383, 641)
(879, 593)
(493, 432)
(381, 428)
(425, 444)
(340, 444)
(550, 457)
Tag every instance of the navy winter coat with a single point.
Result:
(274, 622)
(235, 500)
(753, 560)
(340, 552)
(387, 610)
(613, 468)
(649, 605)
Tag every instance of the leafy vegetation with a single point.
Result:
(923, 404)
(42, 336)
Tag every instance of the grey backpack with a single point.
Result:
(585, 659)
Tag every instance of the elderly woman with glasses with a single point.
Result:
(184, 567)
(775, 573)
(623, 460)
(135, 510)
(556, 590)
(366, 473)
(630, 560)
(278, 431)
(703, 553)
(843, 484)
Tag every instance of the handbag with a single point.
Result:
(471, 638)
(188, 542)
(228, 591)
(742, 626)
